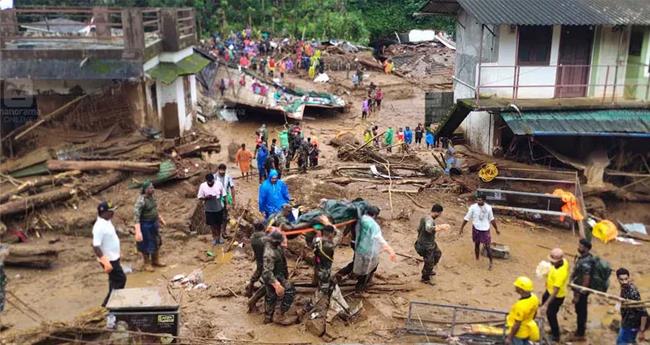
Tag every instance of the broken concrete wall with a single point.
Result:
(175, 93)
(479, 131)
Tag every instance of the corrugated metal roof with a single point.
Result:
(613, 122)
(550, 12)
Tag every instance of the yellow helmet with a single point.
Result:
(524, 283)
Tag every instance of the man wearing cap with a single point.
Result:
(556, 285)
(581, 275)
(520, 322)
(106, 245)
(481, 216)
(211, 193)
(276, 279)
(147, 227)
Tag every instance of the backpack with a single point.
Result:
(600, 272)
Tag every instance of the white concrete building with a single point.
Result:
(530, 68)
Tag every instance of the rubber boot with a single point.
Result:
(147, 263)
(249, 289)
(155, 260)
(285, 319)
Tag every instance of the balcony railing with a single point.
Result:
(100, 27)
(608, 83)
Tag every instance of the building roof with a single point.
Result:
(547, 12)
(70, 69)
(167, 72)
(604, 122)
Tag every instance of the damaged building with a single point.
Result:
(129, 67)
(553, 82)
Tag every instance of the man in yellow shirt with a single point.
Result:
(520, 321)
(556, 285)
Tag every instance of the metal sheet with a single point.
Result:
(550, 12)
(606, 122)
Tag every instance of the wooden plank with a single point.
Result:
(530, 210)
(623, 173)
(514, 192)
(509, 178)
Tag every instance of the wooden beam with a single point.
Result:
(49, 117)
(509, 178)
(530, 210)
(623, 173)
(514, 192)
(146, 167)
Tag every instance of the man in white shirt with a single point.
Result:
(211, 192)
(106, 245)
(229, 188)
(481, 216)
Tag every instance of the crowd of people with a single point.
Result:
(290, 146)
(270, 239)
(260, 53)
(405, 139)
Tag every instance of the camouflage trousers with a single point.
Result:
(431, 258)
(271, 298)
(3, 284)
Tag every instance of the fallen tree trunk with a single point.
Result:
(38, 200)
(146, 167)
(41, 181)
(104, 182)
(196, 147)
(60, 194)
(32, 257)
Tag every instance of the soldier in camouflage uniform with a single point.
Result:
(280, 219)
(324, 255)
(275, 277)
(258, 241)
(426, 245)
(4, 251)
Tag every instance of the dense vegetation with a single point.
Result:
(360, 21)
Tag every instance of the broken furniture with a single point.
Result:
(468, 325)
(530, 191)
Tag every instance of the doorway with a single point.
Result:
(573, 61)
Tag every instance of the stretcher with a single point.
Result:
(308, 230)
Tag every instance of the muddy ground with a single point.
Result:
(76, 283)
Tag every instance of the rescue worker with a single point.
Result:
(281, 219)
(520, 322)
(258, 240)
(276, 274)
(273, 195)
(313, 154)
(303, 154)
(324, 246)
(147, 227)
(426, 245)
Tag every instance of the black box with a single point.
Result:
(148, 310)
